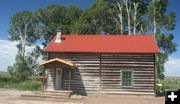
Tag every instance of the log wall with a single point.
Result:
(101, 72)
(50, 80)
(86, 77)
(143, 72)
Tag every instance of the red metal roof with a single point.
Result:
(105, 43)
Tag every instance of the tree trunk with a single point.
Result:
(119, 11)
(22, 41)
(23, 48)
(120, 14)
(135, 17)
(155, 27)
(128, 9)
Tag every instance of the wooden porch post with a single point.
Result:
(69, 80)
(43, 78)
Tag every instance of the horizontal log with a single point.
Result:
(140, 74)
(110, 79)
(133, 93)
(144, 82)
(86, 72)
(76, 60)
(129, 89)
(125, 62)
(135, 68)
(127, 65)
(87, 64)
(127, 54)
(81, 67)
(73, 54)
(86, 77)
(110, 74)
(82, 85)
(130, 60)
(83, 88)
(143, 77)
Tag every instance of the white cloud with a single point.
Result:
(8, 51)
(172, 67)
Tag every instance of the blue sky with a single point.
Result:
(10, 7)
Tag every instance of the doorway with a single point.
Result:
(58, 83)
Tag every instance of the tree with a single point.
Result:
(95, 20)
(138, 12)
(161, 22)
(73, 14)
(167, 47)
(55, 17)
(128, 10)
(32, 60)
(147, 16)
(129, 15)
(23, 27)
(25, 66)
(20, 69)
(118, 5)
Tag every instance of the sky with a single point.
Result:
(8, 49)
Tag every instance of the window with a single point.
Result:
(127, 78)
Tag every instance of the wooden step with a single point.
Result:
(57, 91)
(50, 99)
(44, 96)
(65, 95)
(51, 94)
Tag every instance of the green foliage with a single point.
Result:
(24, 29)
(162, 21)
(94, 20)
(4, 78)
(166, 44)
(23, 25)
(20, 69)
(25, 66)
(55, 17)
(167, 47)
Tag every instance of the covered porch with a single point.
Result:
(59, 74)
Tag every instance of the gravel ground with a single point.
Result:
(11, 96)
(124, 99)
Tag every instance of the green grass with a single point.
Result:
(169, 83)
(172, 83)
(30, 85)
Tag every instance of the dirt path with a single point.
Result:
(124, 99)
(11, 96)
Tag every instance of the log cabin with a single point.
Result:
(107, 64)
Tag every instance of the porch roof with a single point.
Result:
(61, 61)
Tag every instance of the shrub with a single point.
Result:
(4, 77)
